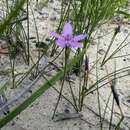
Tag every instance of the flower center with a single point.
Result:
(68, 38)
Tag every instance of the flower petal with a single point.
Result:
(60, 42)
(54, 34)
(76, 45)
(79, 37)
(67, 29)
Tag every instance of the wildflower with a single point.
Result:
(66, 39)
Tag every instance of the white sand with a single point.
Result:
(38, 116)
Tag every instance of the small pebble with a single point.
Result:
(67, 110)
(128, 23)
(44, 15)
(57, 10)
(101, 51)
(53, 18)
(30, 91)
(93, 43)
(124, 59)
(128, 100)
(32, 37)
(13, 123)
(47, 39)
(51, 1)
(125, 31)
(75, 124)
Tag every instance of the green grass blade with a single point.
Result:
(127, 15)
(15, 11)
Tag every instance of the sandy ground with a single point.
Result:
(38, 115)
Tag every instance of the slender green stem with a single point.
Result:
(122, 118)
(12, 70)
(116, 50)
(106, 84)
(120, 56)
(112, 40)
(73, 96)
(84, 87)
(80, 83)
(98, 94)
(119, 71)
(62, 85)
(110, 124)
(37, 35)
(28, 33)
(106, 108)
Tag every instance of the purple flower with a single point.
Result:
(66, 39)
